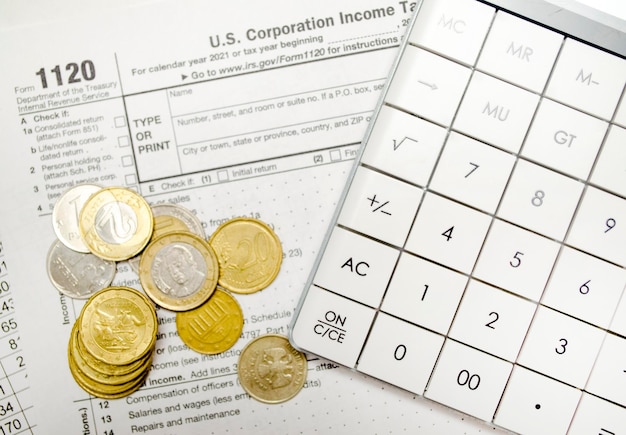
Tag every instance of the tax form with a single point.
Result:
(229, 109)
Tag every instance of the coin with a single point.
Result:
(179, 271)
(66, 212)
(214, 326)
(271, 370)
(116, 223)
(169, 218)
(249, 252)
(76, 274)
(100, 372)
(118, 325)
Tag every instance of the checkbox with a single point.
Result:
(130, 179)
(123, 141)
(119, 121)
(222, 176)
(127, 160)
(335, 155)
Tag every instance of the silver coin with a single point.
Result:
(77, 274)
(66, 212)
(179, 212)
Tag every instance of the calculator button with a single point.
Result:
(540, 200)
(561, 347)
(620, 115)
(519, 51)
(404, 145)
(597, 416)
(618, 325)
(599, 227)
(608, 378)
(516, 260)
(356, 267)
(610, 171)
(448, 233)
(472, 172)
(588, 79)
(492, 320)
(535, 404)
(428, 85)
(585, 287)
(424, 293)
(496, 112)
(454, 28)
(468, 380)
(332, 326)
(380, 206)
(564, 139)
(400, 353)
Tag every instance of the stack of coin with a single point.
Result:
(112, 342)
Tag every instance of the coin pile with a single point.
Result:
(112, 342)
(179, 270)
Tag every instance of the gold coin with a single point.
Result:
(98, 371)
(271, 370)
(116, 223)
(249, 253)
(214, 326)
(100, 390)
(179, 271)
(118, 325)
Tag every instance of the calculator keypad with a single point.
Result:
(479, 256)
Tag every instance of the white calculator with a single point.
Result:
(478, 255)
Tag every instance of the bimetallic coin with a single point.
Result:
(170, 218)
(66, 213)
(214, 326)
(76, 274)
(118, 325)
(249, 252)
(271, 370)
(116, 223)
(179, 271)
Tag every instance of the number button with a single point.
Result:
(533, 403)
(400, 353)
(611, 167)
(472, 172)
(561, 347)
(424, 293)
(468, 380)
(356, 267)
(492, 320)
(380, 206)
(608, 378)
(448, 233)
(618, 325)
(516, 260)
(597, 416)
(585, 287)
(599, 227)
(496, 112)
(564, 139)
(332, 326)
(540, 200)
(404, 145)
